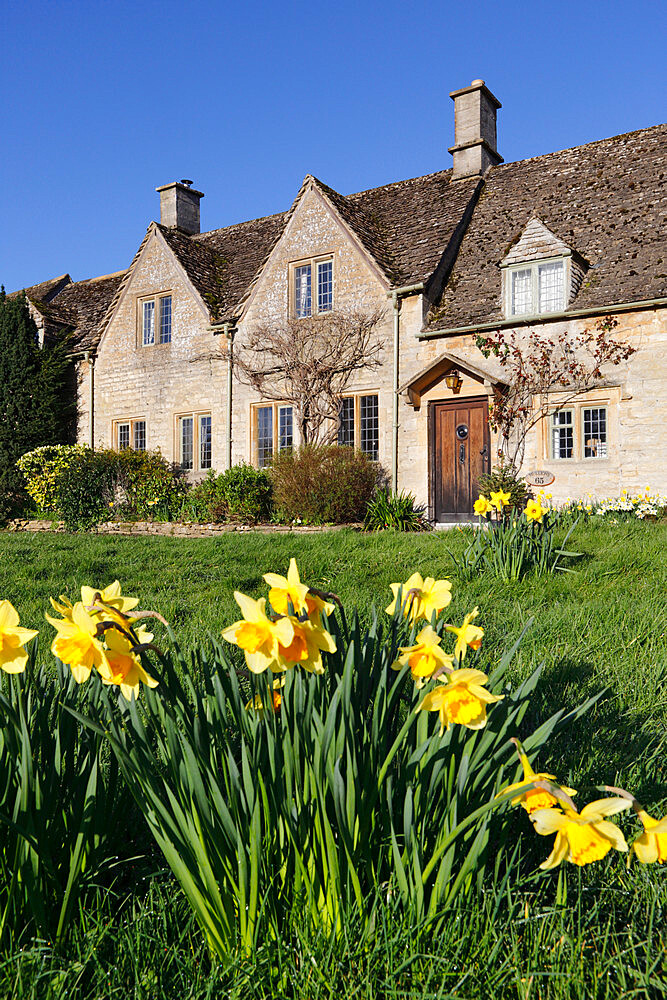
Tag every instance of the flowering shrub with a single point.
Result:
(43, 468)
(310, 772)
(85, 487)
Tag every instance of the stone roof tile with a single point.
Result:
(607, 200)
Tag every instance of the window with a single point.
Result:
(205, 442)
(273, 430)
(129, 434)
(536, 288)
(579, 434)
(149, 308)
(562, 434)
(359, 424)
(195, 441)
(320, 274)
(140, 435)
(594, 431)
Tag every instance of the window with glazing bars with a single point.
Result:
(346, 422)
(369, 426)
(303, 301)
(140, 435)
(165, 319)
(562, 434)
(325, 286)
(264, 418)
(187, 443)
(285, 428)
(537, 288)
(205, 442)
(148, 323)
(123, 433)
(595, 432)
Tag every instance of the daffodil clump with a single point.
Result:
(98, 633)
(288, 631)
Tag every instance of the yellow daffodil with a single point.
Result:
(76, 644)
(256, 704)
(13, 654)
(257, 635)
(305, 649)
(500, 499)
(111, 596)
(482, 506)
(466, 635)
(316, 606)
(535, 798)
(425, 657)
(286, 591)
(581, 837)
(125, 669)
(420, 597)
(460, 699)
(63, 606)
(534, 511)
(651, 845)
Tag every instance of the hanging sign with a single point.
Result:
(540, 478)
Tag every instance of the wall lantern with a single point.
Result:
(454, 381)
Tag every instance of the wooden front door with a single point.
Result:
(460, 453)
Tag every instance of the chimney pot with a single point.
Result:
(475, 140)
(179, 206)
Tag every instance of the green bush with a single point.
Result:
(399, 511)
(42, 469)
(85, 487)
(242, 494)
(323, 484)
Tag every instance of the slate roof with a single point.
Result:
(607, 200)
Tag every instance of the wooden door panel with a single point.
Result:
(459, 455)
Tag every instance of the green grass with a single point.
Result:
(601, 627)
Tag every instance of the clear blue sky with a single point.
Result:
(102, 102)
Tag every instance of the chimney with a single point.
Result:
(179, 206)
(474, 148)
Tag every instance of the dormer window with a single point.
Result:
(541, 273)
(536, 288)
(312, 287)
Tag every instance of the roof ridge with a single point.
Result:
(97, 277)
(583, 145)
(235, 225)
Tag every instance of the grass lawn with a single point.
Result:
(602, 627)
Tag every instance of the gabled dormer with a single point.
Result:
(541, 273)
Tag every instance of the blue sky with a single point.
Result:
(102, 102)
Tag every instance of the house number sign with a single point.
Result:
(540, 478)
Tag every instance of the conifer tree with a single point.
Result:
(36, 398)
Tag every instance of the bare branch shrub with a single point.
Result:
(309, 363)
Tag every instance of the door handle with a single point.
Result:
(462, 453)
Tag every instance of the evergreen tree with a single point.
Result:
(36, 398)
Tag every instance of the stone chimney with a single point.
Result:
(474, 148)
(179, 206)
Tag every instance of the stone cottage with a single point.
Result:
(548, 244)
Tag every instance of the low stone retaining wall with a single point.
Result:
(171, 528)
